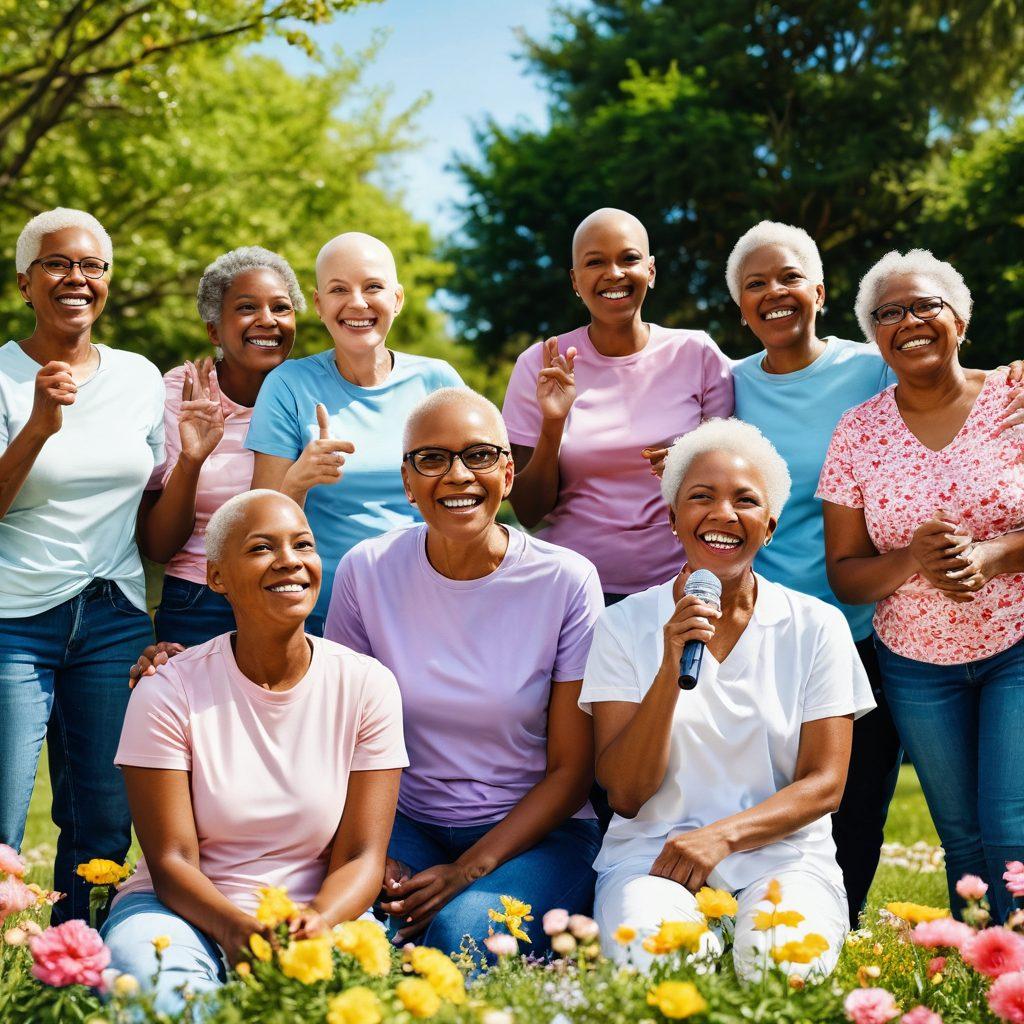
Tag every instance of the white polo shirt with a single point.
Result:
(736, 736)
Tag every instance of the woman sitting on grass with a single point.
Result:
(264, 757)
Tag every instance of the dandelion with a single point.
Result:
(356, 1005)
(915, 913)
(1006, 998)
(994, 952)
(673, 935)
(367, 942)
(677, 999)
(418, 997)
(275, 907)
(716, 903)
(307, 960)
(624, 934)
(870, 1006)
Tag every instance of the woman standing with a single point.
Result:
(81, 427)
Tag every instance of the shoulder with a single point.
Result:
(398, 545)
(343, 663)
(643, 612)
(867, 413)
(293, 371)
(748, 366)
(810, 614)
(435, 372)
(555, 560)
(130, 363)
(689, 343)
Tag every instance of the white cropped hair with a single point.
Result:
(949, 283)
(737, 438)
(219, 275)
(224, 520)
(31, 238)
(772, 232)
(448, 396)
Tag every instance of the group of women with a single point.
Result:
(341, 602)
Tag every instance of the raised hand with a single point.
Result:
(556, 385)
(201, 417)
(55, 388)
(322, 460)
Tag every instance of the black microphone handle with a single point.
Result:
(689, 664)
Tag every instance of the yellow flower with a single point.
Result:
(773, 894)
(716, 903)
(418, 997)
(514, 914)
(356, 1005)
(765, 920)
(242, 969)
(673, 935)
(366, 941)
(915, 913)
(677, 999)
(161, 943)
(624, 934)
(275, 907)
(804, 951)
(103, 872)
(307, 960)
(125, 985)
(261, 949)
(439, 971)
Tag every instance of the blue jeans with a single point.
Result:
(192, 957)
(962, 726)
(557, 872)
(64, 676)
(191, 613)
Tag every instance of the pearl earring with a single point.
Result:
(218, 354)
(743, 321)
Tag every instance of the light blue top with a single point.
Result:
(370, 498)
(798, 412)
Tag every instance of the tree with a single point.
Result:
(703, 117)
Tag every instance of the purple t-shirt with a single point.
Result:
(475, 661)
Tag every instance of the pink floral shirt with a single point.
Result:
(875, 463)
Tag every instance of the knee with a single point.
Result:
(464, 916)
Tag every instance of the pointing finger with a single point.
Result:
(323, 421)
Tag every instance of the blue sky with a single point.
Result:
(460, 51)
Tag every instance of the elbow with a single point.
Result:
(625, 801)
(838, 580)
(827, 794)
(526, 514)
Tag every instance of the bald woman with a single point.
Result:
(327, 429)
(591, 413)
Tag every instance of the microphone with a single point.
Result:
(708, 587)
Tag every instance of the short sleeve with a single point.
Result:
(172, 406)
(520, 410)
(717, 389)
(836, 683)
(448, 376)
(380, 742)
(344, 624)
(155, 437)
(156, 731)
(275, 428)
(838, 482)
(581, 614)
(610, 673)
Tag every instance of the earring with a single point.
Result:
(576, 293)
(743, 321)
(28, 302)
(218, 354)
(767, 540)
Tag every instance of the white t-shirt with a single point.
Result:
(73, 520)
(736, 736)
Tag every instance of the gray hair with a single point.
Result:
(737, 438)
(448, 396)
(228, 516)
(219, 275)
(772, 232)
(921, 262)
(31, 238)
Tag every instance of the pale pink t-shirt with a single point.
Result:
(268, 770)
(227, 472)
(876, 463)
(610, 507)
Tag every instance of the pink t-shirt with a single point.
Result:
(875, 463)
(610, 507)
(268, 770)
(476, 660)
(227, 472)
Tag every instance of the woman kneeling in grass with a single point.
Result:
(264, 757)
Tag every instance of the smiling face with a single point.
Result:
(257, 322)
(69, 305)
(269, 569)
(913, 345)
(777, 300)
(721, 515)
(612, 267)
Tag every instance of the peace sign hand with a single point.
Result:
(201, 416)
(321, 461)
(556, 385)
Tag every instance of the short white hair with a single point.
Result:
(220, 275)
(227, 517)
(737, 438)
(949, 282)
(772, 232)
(450, 396)
(31, 238)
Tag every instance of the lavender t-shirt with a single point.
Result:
(475, 661)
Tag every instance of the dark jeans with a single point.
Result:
(191, 613)
(962, 725)
(64, 676)
(858, 826)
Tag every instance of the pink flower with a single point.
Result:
(69, 954)
(971, 887)
(870, 1006)
(11, 862)
(943, 932)
(501, 944)
(1014, 877)
(935, 966)
(555, 921)
(1006, 998)
(584, 928)
(15, 896)
(994, 952)
(921, 1015)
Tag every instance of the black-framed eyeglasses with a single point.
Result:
(924, 309)
(477, 458)
(61, 266)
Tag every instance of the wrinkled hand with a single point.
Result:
(321, 461)
(1013, 414)
(689, 858)
(556, 384)
(656, 457)
(940, 551)
(201, 417)
(416, 900)
(151, 658)
(55, 388)
(307, 924)
(692, 619)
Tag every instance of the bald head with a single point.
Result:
(233, 517)
(448, 416)
(355, 254)
(609, 228)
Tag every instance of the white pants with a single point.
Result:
(627, 894)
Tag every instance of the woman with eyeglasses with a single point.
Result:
(924, 505)
(81, 428)
(487, 630)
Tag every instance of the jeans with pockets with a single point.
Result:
(191, 613)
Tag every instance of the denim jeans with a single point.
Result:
(64, 676)
(557, 872)
(191, 613)
(962, 726)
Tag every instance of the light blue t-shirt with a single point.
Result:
(370, 498)
(798, 412)
(73, 520)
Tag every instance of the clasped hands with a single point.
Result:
(416, 899)
(948, 557)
